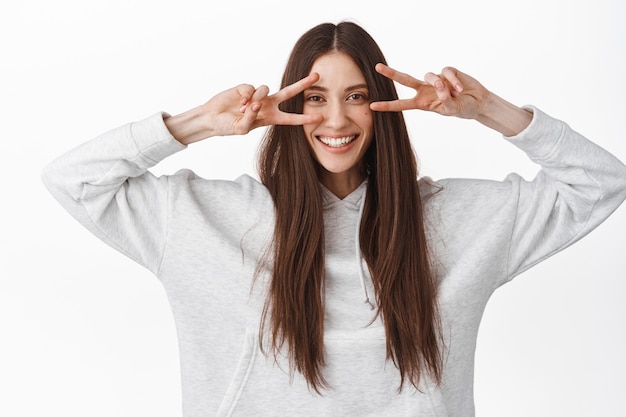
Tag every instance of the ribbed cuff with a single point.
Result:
(152, 138)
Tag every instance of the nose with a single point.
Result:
(335, 116)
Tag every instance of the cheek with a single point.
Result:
(311, 109)
(307, 130)
(367, 120)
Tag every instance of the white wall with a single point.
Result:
(84, 331)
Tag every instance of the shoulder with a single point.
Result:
(460, 206)
(466, 190)
(245, 190)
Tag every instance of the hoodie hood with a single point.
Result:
(348, 212)
(342, 217)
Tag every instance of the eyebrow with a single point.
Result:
(324, 89)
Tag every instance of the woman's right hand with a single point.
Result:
(238, 110)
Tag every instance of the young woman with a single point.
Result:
(339, 284)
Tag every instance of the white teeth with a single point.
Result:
(336, 142)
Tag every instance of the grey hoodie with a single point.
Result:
(203, 240)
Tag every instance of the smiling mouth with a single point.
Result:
(336, 142)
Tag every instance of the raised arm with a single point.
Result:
(105, 183)
(578, 187)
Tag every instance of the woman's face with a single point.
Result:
(341, 139)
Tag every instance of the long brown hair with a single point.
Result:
(392, 238)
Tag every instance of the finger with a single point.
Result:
(289, 119)
(446, 94)
(245, 92)
(248, 120)
(295, 119)
(258, 95)
(395, 75)
(442, 88)
(451, 75)
(393, 105)
(296, 88)
(251, 110)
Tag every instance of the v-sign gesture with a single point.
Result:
(239, 110)
(451, 93)
(454, 93)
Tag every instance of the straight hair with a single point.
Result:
(392, 235)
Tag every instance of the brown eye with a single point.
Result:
(357, 96)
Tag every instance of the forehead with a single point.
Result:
(337, 69)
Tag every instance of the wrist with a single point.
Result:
(503, 116)
(189, 127)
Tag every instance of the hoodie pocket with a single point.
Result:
(361, 382)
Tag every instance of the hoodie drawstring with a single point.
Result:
(359, 256)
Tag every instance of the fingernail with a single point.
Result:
(458, 87)
(256, 107)
(438, 85)
(242, 109)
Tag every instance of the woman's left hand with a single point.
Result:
(451, 93)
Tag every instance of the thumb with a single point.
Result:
(250, 114)
(251, 111)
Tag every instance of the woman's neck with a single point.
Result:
(341, 184)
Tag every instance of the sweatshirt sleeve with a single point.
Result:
(579, 186)
(106, 186)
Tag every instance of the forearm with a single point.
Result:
(579, 186)
(126, 151)
(503, 116)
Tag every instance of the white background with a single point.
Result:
(84, 331)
